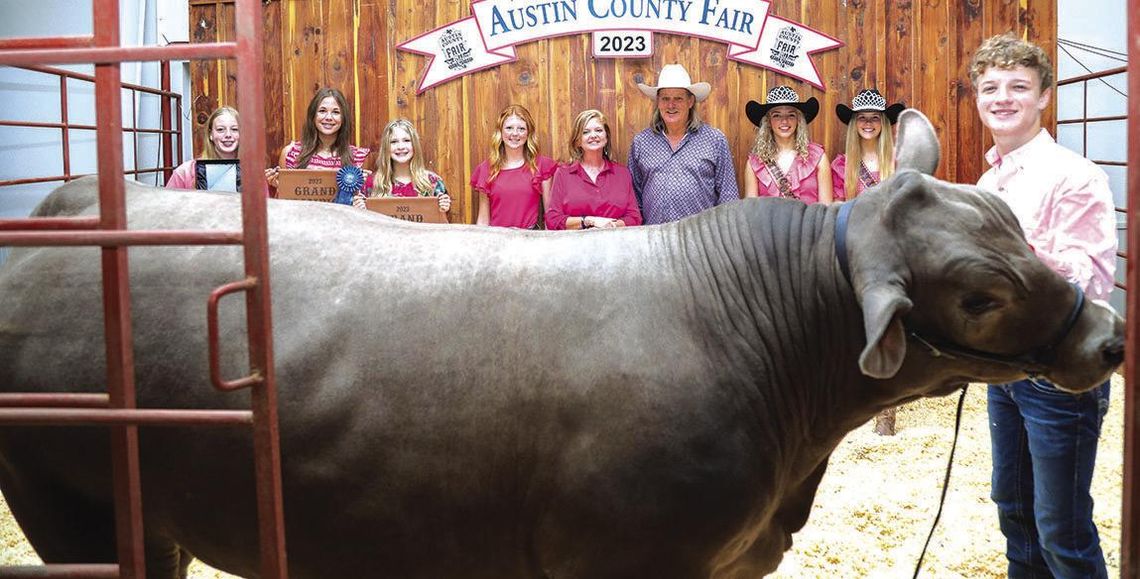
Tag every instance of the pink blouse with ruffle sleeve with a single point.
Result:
(515, 193)
(801, 175)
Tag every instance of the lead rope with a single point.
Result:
(945, 481)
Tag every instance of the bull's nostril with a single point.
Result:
(1113, 351)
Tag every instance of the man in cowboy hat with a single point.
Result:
(669, 161)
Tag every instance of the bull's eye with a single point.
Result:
(977, 304)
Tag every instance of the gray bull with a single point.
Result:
(464, 402)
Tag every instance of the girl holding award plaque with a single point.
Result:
(324, 138)
(400, 171)
(221, 142)
(217, 169)
(515, 178)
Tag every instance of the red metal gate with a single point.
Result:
(117, 408)
(1130, 518)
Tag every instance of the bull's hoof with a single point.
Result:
(885, 422)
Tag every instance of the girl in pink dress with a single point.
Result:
(400, 171)
(782, 162)
(870, 151)
(324, 139)
(513, 181)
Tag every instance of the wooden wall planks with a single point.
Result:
(914, 50)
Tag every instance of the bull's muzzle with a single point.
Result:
(1113, 351)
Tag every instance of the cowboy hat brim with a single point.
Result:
(700, 90)
(845, 112)
(757, 111)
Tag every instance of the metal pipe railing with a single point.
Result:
(134, 417)
(169, 102)
(1130, 517)
(117, 54)
(1084, 120)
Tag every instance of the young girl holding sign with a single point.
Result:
(400, 172)
(221, 142)
(324, 139)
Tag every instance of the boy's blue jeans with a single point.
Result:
(1044, 448)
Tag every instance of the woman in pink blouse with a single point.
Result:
(591, 190)
(324, 139)
(783, 163)
(400, 169)
(515, 178)
(870, 150)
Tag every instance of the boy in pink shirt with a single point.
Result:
(1044, 439)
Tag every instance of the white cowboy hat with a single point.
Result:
(675, 76)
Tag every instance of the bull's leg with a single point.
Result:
(165, 560)
(65, 527)
(61, 525)
(885, 422)
(573, 547)
(620, 566)
(569, 546)
(184, 563)
(764, 554)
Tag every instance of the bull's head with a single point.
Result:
(950, 288)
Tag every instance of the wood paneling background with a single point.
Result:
(913, 50)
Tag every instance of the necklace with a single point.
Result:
(592, 171)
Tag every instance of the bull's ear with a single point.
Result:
(883, 308)
(917, 144)
(909, 193)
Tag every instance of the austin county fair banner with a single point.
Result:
(488, 37)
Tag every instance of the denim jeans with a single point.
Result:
(1044, 447)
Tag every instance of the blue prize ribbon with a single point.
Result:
(349, 180)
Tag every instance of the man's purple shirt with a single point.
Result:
(673, 184)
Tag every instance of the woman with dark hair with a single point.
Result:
(591, 190)
(515, 177)
(325, 137)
